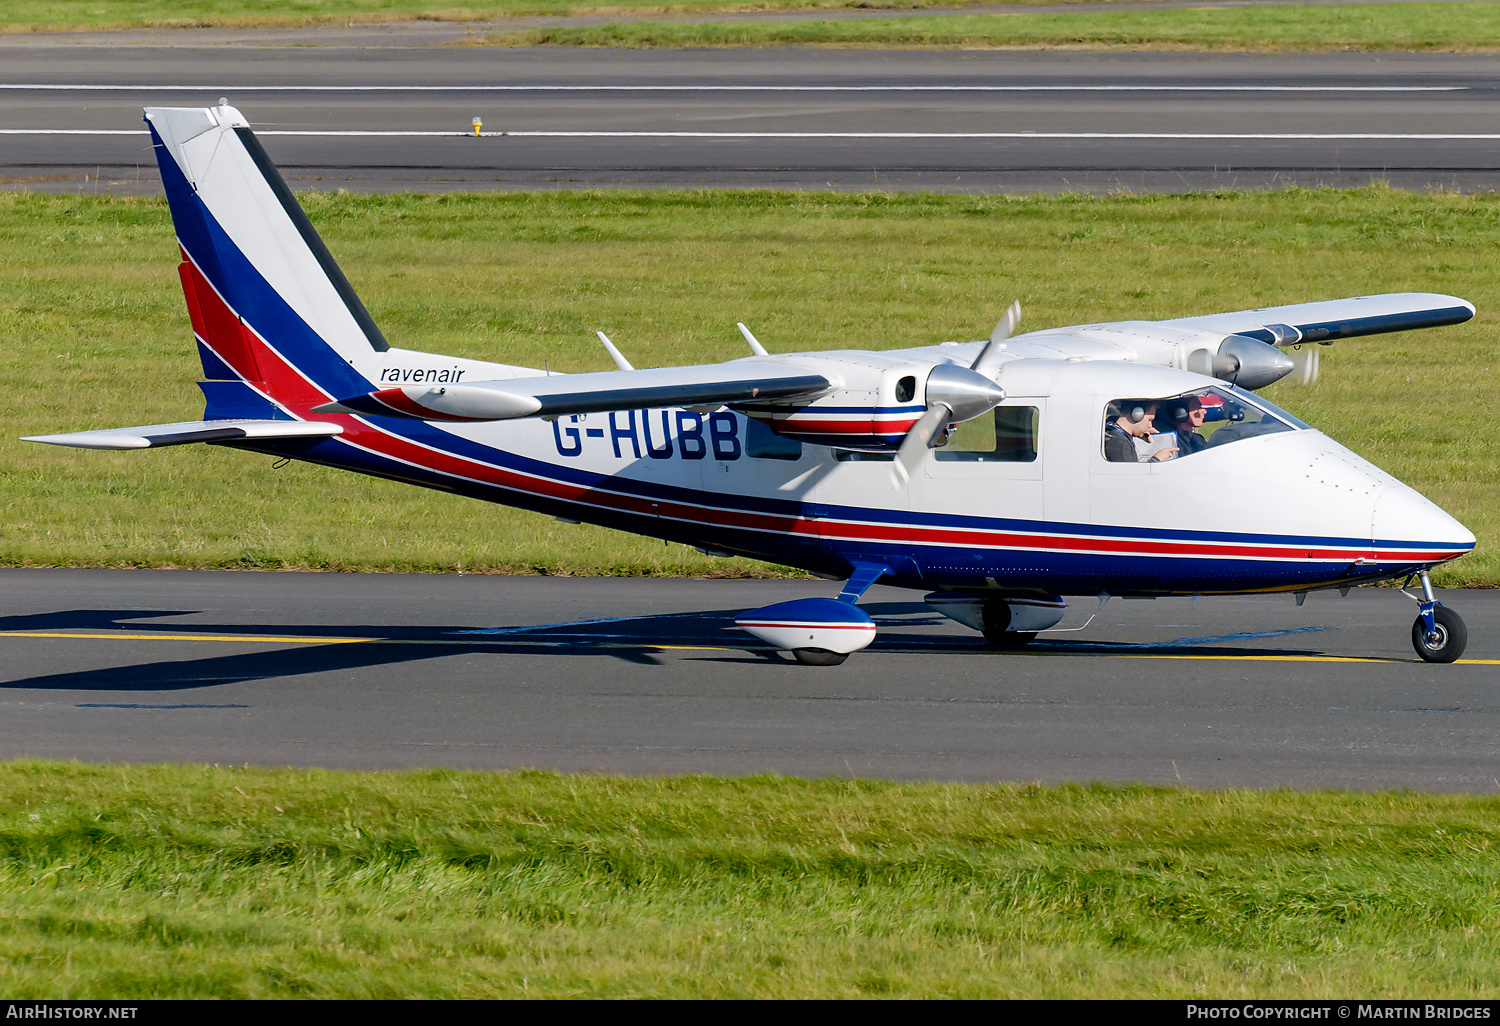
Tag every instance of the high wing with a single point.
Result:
(1244, 347)
(1337, 318)
(745, 380)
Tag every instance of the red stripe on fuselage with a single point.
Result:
(851, 426)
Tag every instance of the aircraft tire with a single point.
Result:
(818, 656)
(1452, 637)
(996, 616)
(1009, 639)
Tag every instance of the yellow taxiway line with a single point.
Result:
(271, 639)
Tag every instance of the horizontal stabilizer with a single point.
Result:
(154, 436)
(559, 394)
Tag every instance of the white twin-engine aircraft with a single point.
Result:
(1125, 459)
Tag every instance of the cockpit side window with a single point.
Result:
(1156, 430)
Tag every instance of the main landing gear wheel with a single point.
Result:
(996, 616)
(1009, 639)
(1449, 637)
(818, 656)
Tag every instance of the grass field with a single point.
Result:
(95, 335)
(1410, 26)
(63, 15)
(140, 882)
(1400, 27)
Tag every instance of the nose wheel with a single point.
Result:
(1438, 633)
(1444, 641)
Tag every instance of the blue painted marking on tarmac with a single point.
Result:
(137, 705)
(1215, 639)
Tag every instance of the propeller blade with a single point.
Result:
(917, 441)
(1304, 365)
(989, 359)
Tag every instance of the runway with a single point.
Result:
(401, 118)
(649, 676)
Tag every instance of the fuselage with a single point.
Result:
(1291, 510)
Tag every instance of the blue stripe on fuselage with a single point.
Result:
(1063, 572)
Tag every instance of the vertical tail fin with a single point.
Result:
(268, 304)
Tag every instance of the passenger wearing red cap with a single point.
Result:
(1185, 415)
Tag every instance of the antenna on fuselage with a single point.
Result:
(755, 346)
(619, 357)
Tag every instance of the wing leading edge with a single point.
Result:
(556, 395)
(1336, 318)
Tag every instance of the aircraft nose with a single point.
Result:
(1407, 526)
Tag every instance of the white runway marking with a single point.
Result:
(1188, 136)
(223, 90)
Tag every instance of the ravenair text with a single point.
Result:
(419, 375)
(654, 434)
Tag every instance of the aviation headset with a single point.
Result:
(1132, 409)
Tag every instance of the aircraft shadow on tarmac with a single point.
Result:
(906, 628)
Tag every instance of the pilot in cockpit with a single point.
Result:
(1128, 436)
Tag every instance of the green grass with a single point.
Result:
(95, 335)
(172, 882)
(1410, 26)
(66, 15)
(1402, 27)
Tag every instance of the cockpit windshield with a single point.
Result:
(1155, 430)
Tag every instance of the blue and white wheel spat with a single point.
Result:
(818, 631)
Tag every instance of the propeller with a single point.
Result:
(917, 441)
(955, 394)
(1304, 365)
(988, 361)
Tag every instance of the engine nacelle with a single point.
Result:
(1250, 363)
(876, 419)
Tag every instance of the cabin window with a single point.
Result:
(764, 444)
(1158, 430)
(1008, 436)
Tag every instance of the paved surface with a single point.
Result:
(647, 676)
(848, 119)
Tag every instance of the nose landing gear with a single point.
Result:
(1438, 634)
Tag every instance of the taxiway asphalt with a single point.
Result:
(649, 676)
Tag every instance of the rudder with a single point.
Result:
(268, 304)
